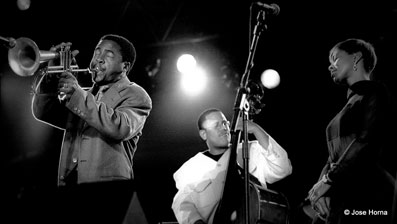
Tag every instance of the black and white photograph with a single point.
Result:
(198, 112)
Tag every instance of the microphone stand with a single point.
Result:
(241, 106)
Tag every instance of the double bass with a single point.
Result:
(243, 200)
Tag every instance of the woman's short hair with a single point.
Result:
(354, 45)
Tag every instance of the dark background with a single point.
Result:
(296, 43)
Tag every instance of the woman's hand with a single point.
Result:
(317, 200)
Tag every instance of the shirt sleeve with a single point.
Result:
(184, 207)
(196, 186)
(269, 164)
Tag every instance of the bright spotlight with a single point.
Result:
(186, 63)
(194, 82)
(270, 78)
(23, 4)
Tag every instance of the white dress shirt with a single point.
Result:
(200, 179)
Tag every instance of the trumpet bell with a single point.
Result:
(25, 57)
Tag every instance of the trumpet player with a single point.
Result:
(102, 127)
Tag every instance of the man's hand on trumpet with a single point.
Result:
(67, 85)
(58, 48)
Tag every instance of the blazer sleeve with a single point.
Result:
(120, 117)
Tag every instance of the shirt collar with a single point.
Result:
(360, 87)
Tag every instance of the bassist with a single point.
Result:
(200, 179)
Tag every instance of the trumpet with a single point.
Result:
(25, 58)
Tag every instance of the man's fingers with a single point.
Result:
(59, 46)
(322, 207)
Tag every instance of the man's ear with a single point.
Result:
(203, 134)
(126, 66)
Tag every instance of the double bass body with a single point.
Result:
(265, 207)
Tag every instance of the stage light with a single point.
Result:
(270, 78)
(23, 4)
(186, 63)
(194, 81)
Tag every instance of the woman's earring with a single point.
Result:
(355, 67)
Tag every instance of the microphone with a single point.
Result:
(272, 8)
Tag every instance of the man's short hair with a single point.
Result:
(127, 49)
(203, 115)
